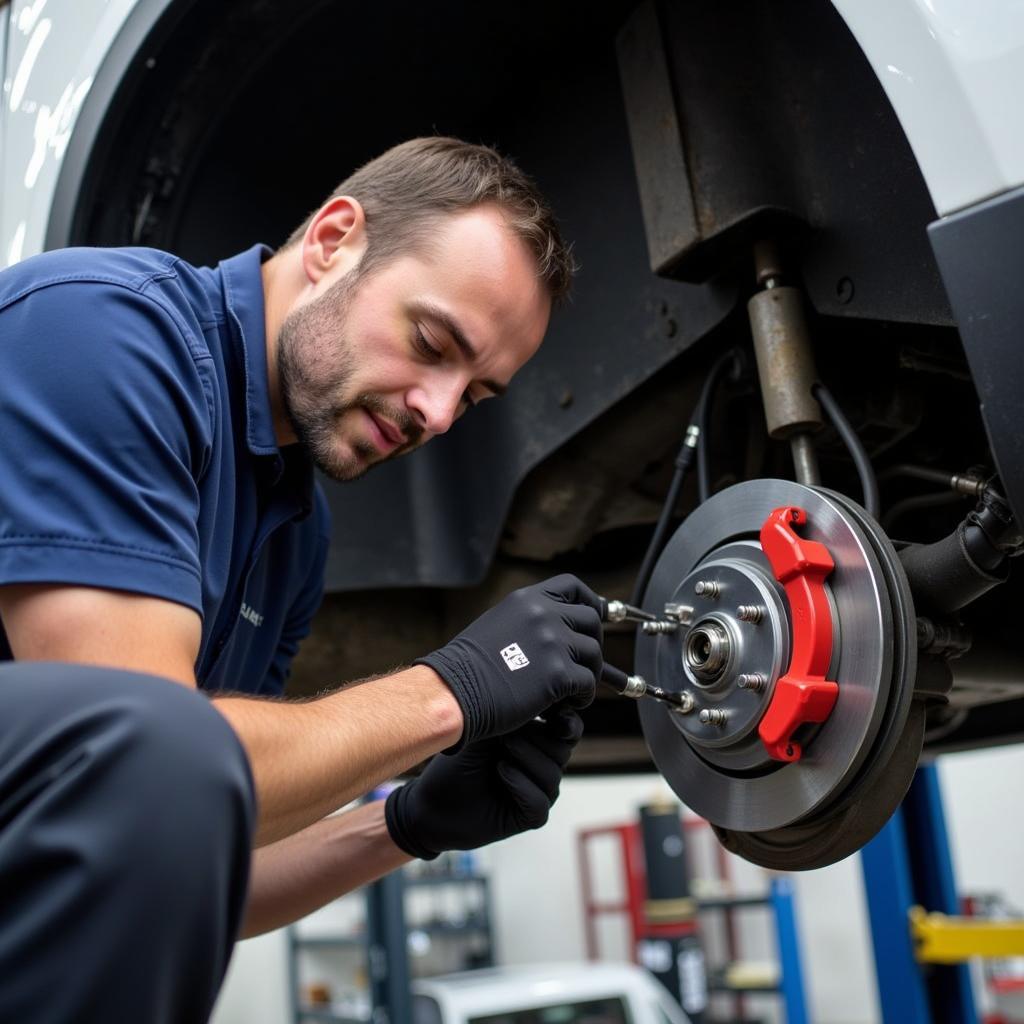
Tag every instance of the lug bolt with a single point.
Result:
(681, 613)
(659, 626)
(706, 588)
(713, 716)
(752, 681)
(750, 613)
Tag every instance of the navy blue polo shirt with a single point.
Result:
(137, 450)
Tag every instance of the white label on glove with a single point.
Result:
(514, 657)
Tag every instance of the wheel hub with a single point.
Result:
(719, 649)
(801, 684)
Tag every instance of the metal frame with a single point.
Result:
(780, 899)
(384, 945)
(791, 982)
(943, 939)
(908, 864)
(387, 951)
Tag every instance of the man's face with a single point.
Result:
(374, 365)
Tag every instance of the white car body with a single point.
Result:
(55, 49)
(549, 990)
(954, 72)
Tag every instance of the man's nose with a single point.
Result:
(436, 408)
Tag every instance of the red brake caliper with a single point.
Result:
(803, 694)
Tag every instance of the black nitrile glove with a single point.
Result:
(539, 647)
(493, 789)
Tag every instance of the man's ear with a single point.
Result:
(335, 239)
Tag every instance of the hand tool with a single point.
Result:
(637, 687)
(619, 611)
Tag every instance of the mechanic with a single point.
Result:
(160, 531)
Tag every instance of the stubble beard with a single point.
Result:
(315, 364)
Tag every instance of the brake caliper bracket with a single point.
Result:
(803, 694)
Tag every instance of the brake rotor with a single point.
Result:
(802, 736)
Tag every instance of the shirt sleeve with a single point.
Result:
(105, 427)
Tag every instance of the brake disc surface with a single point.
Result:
(715, 761)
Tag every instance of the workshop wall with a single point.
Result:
(983, 819)
(256, 988)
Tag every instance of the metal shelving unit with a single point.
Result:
(383, 943)
(778, 901)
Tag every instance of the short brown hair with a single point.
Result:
(404, 190)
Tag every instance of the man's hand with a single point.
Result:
(540, 647)
(491, 790)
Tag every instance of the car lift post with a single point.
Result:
(387, 951)
(791, 981)
(908, 864)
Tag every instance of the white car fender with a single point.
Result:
(954, 73)
(54, 48)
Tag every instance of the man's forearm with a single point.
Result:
(295, 876)
(310, 758)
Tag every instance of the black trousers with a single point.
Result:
(126, 818)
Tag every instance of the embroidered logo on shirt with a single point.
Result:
(251, 615)
(514, 657)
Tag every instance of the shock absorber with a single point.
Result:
(785, 363)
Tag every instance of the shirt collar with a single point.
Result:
(243, 292)
(243, 296)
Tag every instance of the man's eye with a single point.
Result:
(425, 347)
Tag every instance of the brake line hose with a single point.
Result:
(843, 427)
(694, 443)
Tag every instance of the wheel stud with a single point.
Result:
(750, 613)
(753, 681)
